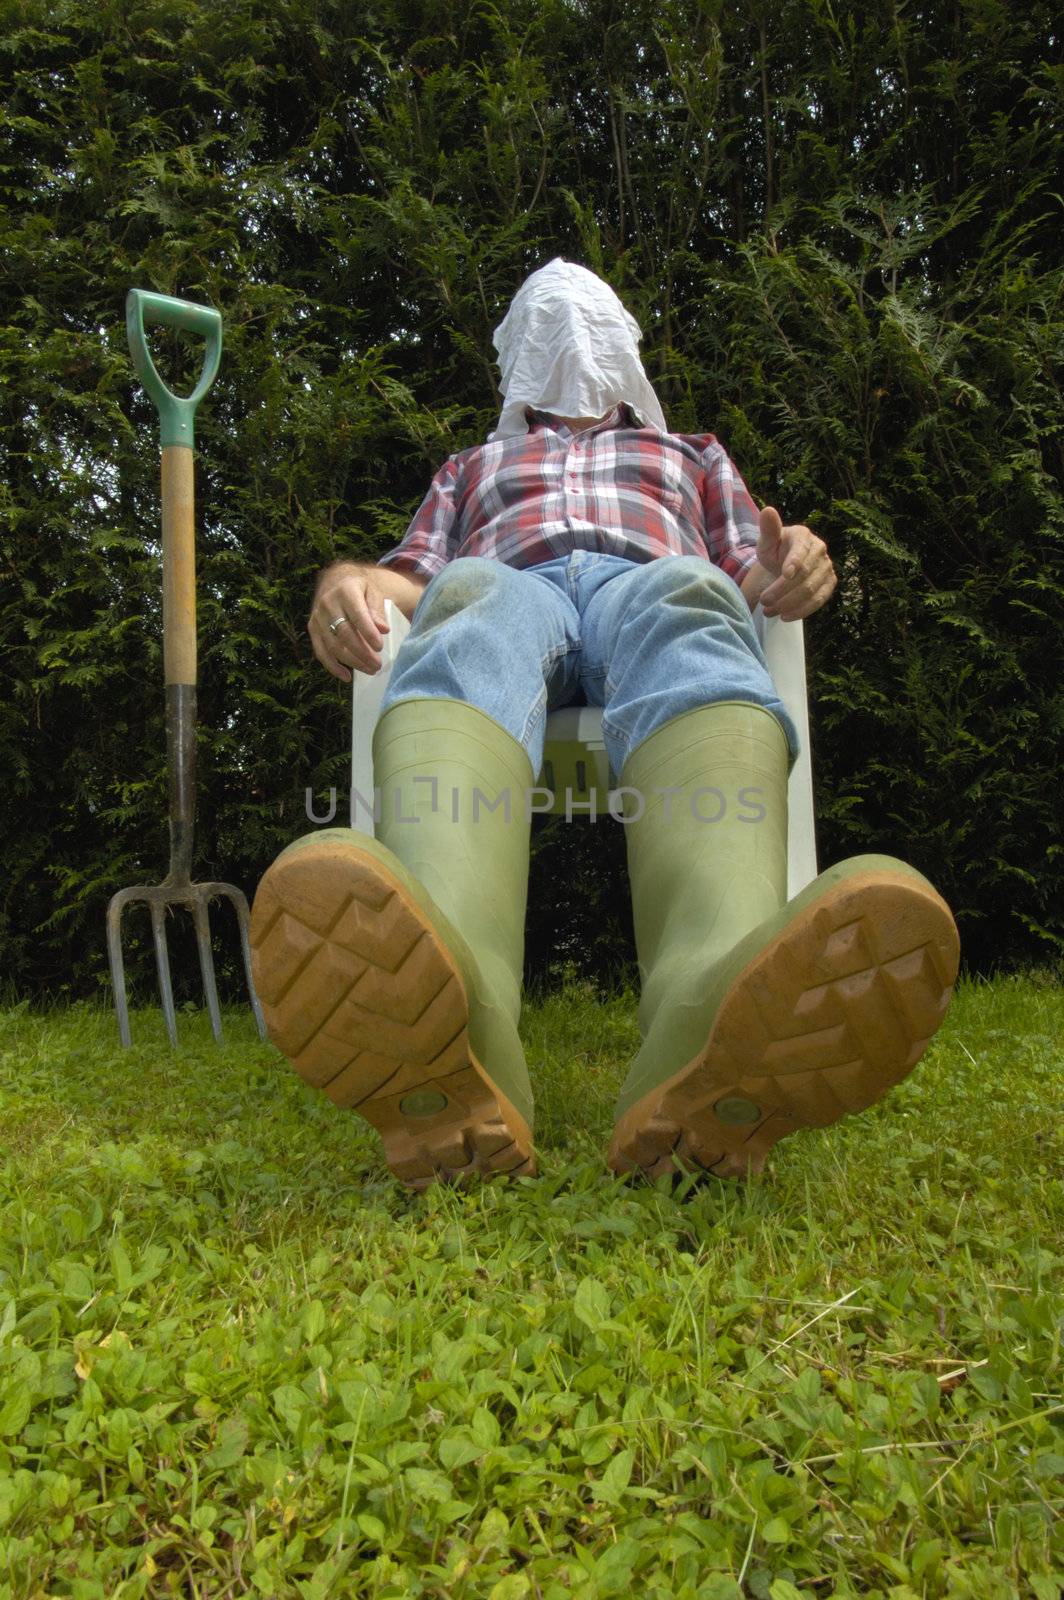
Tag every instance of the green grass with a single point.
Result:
(237, 1358)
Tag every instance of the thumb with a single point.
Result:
(771, 525)
(769, 538)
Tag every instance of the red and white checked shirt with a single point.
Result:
(618, 488)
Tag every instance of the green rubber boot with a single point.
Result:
(758, 1015)
(390, 968)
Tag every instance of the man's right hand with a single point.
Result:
(356, 594)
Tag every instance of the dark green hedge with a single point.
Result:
(840, 228)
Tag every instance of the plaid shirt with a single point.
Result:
(618, 488)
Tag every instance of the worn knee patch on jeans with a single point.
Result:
(463, 582)
(690, 581)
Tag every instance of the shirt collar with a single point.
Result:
(622, 416)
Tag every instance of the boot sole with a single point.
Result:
(837, 1008)
(366, 1001)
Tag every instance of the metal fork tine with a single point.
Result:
(201, 917)
(118, 971)
(162, 961)
(242, 917)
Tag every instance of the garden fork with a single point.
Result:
(176, 414)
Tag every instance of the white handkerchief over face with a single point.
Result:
(568, 345)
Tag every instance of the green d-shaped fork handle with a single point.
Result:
(176, 412)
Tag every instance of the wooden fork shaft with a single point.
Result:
(179, 566)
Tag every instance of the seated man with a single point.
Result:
(585, 547)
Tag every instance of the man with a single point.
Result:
(584, 547)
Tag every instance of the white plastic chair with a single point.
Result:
(574, 756)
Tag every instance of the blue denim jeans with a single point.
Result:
(644, 640)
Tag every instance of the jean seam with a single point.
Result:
(611, 729)
(538, 711)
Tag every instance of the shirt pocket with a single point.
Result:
(651, 497)
(673, 501)
(656, 477)
(519, 482)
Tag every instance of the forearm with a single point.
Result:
(404, 589)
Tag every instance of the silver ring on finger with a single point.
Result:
(339, 622)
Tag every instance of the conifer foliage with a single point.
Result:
(839, 227)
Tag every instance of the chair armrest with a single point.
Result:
(784, 647)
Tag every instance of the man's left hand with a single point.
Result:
(799, 564)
